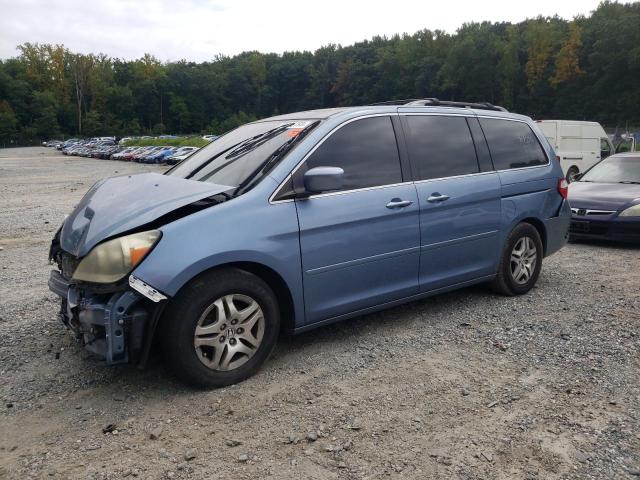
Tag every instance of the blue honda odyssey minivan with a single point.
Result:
(301, 220)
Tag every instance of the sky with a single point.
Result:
(200, 30)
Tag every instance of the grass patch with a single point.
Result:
(170, 142)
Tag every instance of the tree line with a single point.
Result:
(587, 68)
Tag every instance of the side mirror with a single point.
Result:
(323, 179)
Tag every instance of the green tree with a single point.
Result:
(93, 125)
(44, 107)
(469, 72)
(81, 68)
(509, 68)
(567, 66)
(8, 123)
(539, 52)
(178, 114)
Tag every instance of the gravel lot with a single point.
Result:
(466, 385)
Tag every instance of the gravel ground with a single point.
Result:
(466, 385)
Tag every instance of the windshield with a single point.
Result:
(615, 170)
(233, 158)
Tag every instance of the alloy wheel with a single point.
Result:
(523, 260)
(229, 332)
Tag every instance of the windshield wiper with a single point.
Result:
(238, 149)
(630, 182)
(273, 159)
(256, 141)
(285, 147)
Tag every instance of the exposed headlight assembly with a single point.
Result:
(631, 211)
(111, 261)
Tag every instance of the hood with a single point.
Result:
(602, 196)
(119, 204)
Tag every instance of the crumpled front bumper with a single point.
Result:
(116, 326)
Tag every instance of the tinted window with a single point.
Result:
(482, 150)
(365, 149)
(512, 144)
(440, 146)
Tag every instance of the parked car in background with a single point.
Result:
(210, 138)
(130, 155)
(146, 152)
(605, 200)
(179, 155)
(68, 143)
(52, 143)
(108, 151)
(578, 145)
(305, 219)
(159, 155)
(119, 155)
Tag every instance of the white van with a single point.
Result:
(578, 145)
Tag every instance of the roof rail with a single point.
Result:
(394, 102)
(434, 102)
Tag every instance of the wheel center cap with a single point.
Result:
(230, 333)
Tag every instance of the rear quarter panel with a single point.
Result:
(531, 193)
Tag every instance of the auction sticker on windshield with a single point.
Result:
(295, 128)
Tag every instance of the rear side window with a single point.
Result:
(512, 144)
(365, 149)
(440, 146)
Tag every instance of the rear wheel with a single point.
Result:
(220, 328)
(520, 262)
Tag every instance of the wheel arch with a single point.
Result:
(540, 227)
(577, 169)
(272, 278)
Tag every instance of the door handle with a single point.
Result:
(436, 197)
(397, 203)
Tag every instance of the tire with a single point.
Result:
(509, 279)
(214, 306)
(571, 173)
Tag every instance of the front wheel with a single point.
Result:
(520, 262)
(220, 328)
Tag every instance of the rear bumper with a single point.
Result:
(116, 326)
(557, 229)
(618, 231)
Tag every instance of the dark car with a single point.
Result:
(605, 201)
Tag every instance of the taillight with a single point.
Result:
(563, 187)
(558, 157)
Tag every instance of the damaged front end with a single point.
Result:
(109, 233)
(115, 322)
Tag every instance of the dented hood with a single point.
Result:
(119, 204)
